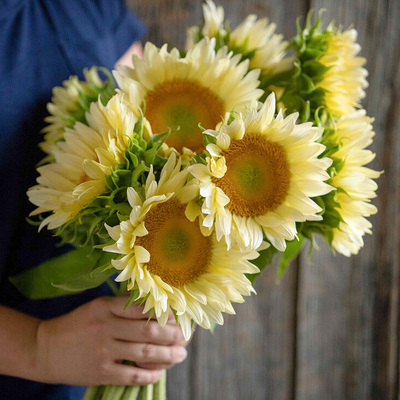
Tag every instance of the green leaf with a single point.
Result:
(37, 283)
(88, 279)
(292, 250)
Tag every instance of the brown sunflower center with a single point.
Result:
(179, 253)
(181, 105)
(257, 178)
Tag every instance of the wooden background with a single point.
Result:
(330, 330)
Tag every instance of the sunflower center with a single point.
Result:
(181, 105)
(179, 253)
(257, 178)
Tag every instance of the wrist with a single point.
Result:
(43, 370)
(18, 347)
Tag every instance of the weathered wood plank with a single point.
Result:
(252, 355)
(348, 308)
(343, 339)
(248, 357)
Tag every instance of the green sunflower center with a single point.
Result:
(181, 105)
(179, 253)
(257, 178)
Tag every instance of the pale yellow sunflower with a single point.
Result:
(269, 49)
(81, 162)
(354, 182)
(345, 80)
(253, 38)
(171, 263)
(213, 19)
(260, 178)
(66, 105)
(179, 93)
(212, 26)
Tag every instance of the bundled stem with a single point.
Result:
(155, 391)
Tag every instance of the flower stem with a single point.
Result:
(113, 392)
(91, 393)
(146, 392)
(160, 388)
(100, 392)
(131, 393)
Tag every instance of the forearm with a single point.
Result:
(18, 347)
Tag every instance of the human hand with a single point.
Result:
(88, 345)
(126, 59)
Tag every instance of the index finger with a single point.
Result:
(117, 306)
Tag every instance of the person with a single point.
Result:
(51, 349)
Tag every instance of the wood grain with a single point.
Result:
(330, 330)
(348, 339)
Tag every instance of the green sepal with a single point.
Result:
(310, 44)
(242, 50)
(279, 79)
(133, 298)
(332, 218)
(139, 170)
(220, 41)
(213, 325)
(231, 118)
(160, 137)
(292, 250)
(315, 69)
(149, 155)
(201, 158)
(58, 276)
(318, 228)
(305, 84)
(337, 166)
(121, 178)
(207, 139)
(89, 92)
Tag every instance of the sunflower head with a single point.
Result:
(70, 103)
(347, 208)
(212, 26)
(178, 93)
(327, 71)
(167, 261)
(253, 39)
(259, 178)
(100, 159)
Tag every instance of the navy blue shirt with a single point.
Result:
(42, 43)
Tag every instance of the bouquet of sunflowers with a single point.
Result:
(183, 182)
